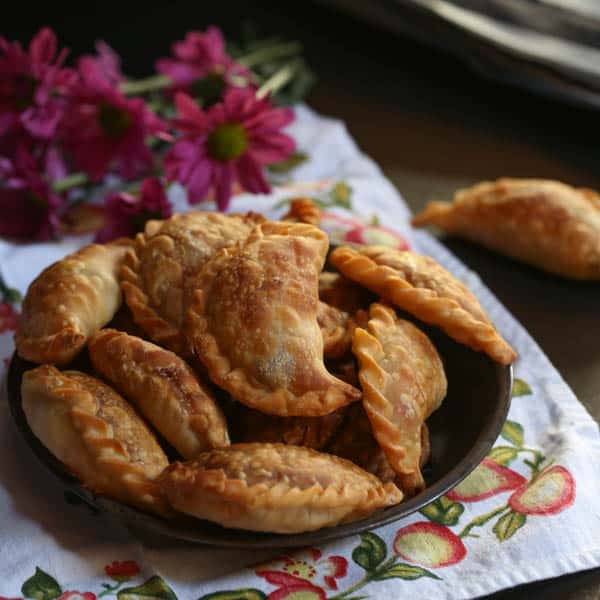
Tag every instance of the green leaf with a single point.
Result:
(503, 455)
(287, 165)
(41, 586)
(245, 594)
(404, 571)
(371, 551)
(513, 433)
(443, 511)
(340, 194)
(520, 388)
(12, 296)
(154, 588)
(508, 525)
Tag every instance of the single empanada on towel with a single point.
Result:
(253, 323)
(156, 273)
(303, 210)
(337, 327)
(403, 382)
(96, 434)
(164, 388)
(68, 302)
(422, 287)
(274, 487)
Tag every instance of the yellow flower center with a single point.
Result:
(227, 141)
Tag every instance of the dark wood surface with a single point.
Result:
(432, 125)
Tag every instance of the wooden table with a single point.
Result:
(432, 125)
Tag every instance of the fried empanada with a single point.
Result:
(68, 302)
(337, 328)
(403, 382)
(274, 487)
(336, 290)
(545, 223)
(303, 210)
(253, 323)
(96, 434)
(422, 287)
(164, 388)
(312, 432)
(156, 274)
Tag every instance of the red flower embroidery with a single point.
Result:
(8, 318)
(122, 571)
(75, 595)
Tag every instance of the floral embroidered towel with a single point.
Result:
(529, 511)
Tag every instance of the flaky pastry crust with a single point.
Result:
(164, 388)
(68, 302)
(96, 434)
(422, 287)
(403, 382)
(545, 223)
(337, 327)
(253, 323)
(303, 210)
(274, 487)
(336, 290)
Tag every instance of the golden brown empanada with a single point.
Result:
(545, 223)
(156, 273)
(274, 487)
(337, 328)
(303, 210)
(164, 388)
(68, 302)
(403, 382)
(336, 290)
(312, 432)
(253, 323)
(96, 434)
(422, 287)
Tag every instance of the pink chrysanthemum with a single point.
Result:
(108, 62)
(33, 86)
(28, 205)
(229, 142)
(201, 66)
(103, 128)
(126, 214)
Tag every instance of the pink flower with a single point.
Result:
(229, 142)
(28, 205)
(103, 128)
(33, 86)
(75, 595)
(305, 566)
(201, 66)
(122, 571)
(108, 63)
(126, 214)
(9, 317)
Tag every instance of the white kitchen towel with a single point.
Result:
(529, 511)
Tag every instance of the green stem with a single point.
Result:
(110, 590)
(280, 50)
(71, 181)
(149, 84)
(369, 576)
(280, 78)
(482, 520)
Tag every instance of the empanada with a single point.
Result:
(422, 287)
(403, 382)
(336, 290)
(68, 302)
(337, 328)
(274, 487)
(96, 434)
(156, 273)
(253, 323)
(545, 223)
(303, 210)
(164, 388)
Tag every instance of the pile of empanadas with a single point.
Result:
(249, 378)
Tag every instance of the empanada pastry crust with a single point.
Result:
(303, 210)
(274, 487)
(156, 274)
(403, 382)
(545, 223)
(422, 287)
(253, 323)
(96, 434)
(68, 302)
(337, 327)
(164, 388)
(336, 290)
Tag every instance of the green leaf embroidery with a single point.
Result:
(289, 164)
(520, 388)
(246, 594)
(503, 455)
(508, 525)
(154, 588)
(371, 551)
(41, 586)
(404, 571)
(340, 194)
(443, 511)
(513, 433)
